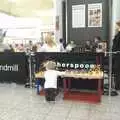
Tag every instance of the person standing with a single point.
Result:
(70, 46)
(29, 46)
(116, 57)
(96, 42)
(49, 45)
(11, 48)
(61, 45)
(50, 85)
(88, 47)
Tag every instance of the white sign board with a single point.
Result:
(78, 16)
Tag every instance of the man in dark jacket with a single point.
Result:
(116, 57)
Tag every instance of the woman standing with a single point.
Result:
(49, 45)
(116, 57)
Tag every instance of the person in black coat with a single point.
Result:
(95, 44)
(116, 57)
(88, 46)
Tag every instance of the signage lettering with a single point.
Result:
(75, 65)
(12, 68)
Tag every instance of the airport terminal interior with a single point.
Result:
(59, 60)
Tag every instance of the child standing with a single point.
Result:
(50, 85)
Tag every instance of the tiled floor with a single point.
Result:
(19, 103)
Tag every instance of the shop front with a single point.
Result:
(84, 71)
(84, 74)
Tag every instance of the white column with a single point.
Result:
(58, 9)
(115, 13)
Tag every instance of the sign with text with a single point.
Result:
(13, 67)
(74, 61)
(78, 16)
(95, 15)
(70, 60)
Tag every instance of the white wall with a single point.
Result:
(58, 9)
(9, 22)
(6, 20)
(23, 29)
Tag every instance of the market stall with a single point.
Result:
(84, 73)
(13, 68)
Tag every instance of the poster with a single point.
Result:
(78, 16)
(95, 15)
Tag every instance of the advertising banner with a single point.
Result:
(82, 62)
(95, 15)
(13, 67)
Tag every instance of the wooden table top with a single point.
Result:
(95, 76)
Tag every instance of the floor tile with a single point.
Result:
(55, 117)
(19, 103)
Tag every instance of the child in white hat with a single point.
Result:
(50, 85)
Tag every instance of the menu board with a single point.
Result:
(95, 15)
(78, 16)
